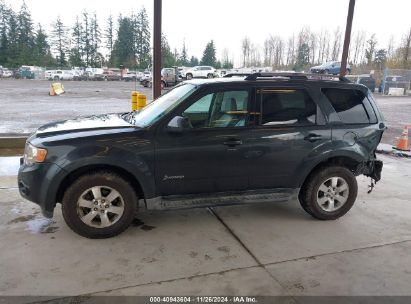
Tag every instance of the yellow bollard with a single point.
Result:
(141, 101)
(134, 102)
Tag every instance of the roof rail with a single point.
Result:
(237, 74)
(296, 76)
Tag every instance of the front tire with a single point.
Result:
(99, 205)
(189, 76)
(329, 193)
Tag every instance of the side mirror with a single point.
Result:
(178, 124)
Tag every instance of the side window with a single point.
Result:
(220, 109)
(285, 107)
(349, 104)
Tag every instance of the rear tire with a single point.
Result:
(329, 193)
(99, 205)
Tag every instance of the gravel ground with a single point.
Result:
(25, 104)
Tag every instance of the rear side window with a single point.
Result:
(349, 104)
(285, 107)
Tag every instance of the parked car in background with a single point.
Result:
(169, 77)
(25, 72)
(59, 75)
(145, 78)
(130, 76)
(111, 76)
(365, 79)
(330, 67)
(199, 72)
(7, 73)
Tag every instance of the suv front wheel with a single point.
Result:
(99, 205)
(329, 193)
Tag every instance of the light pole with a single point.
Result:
(346, 47)
(156, 72)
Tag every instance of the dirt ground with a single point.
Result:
(25, 104)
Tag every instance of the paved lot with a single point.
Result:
(25, 104)
(269, 249)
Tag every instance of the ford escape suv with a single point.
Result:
(238, 139)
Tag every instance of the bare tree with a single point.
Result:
(336, 44)
(357, 47)
(245, 47)
(406, 45)
(291, 51)
(390, 48)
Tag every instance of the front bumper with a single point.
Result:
(39, 184)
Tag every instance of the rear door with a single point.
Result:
(289, 128)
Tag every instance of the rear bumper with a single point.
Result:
(39, 184)
(372, 168)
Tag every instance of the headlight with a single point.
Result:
(34, 155)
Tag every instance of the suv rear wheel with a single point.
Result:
(99, 205)
(329, 193)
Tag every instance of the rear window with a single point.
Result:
(349, 104)
(285, 107)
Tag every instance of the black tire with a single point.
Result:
(309, 192)
(209, 76)
(189, 76)
(326, 71)
(163, 85)
(56, 78)
(85, 182)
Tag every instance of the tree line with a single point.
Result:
(126, 41)
(308, 48)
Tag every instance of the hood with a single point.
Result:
(85, 123)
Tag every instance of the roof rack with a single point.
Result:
(296, 76)
(237, 75)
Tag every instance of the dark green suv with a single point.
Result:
(234, 140)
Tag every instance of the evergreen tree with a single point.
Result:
(13, 59)
(209, 54)
(167, 56)
(142, 39)
(123, 48)
(303, 56)
(4, 21)
(41, 51)
(95, 40)
(194, 61)
(76, 50)
(86, 39)
(59, 41)
(109, 35)
(183, 60)
(25, 38)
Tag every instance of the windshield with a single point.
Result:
(160, 107)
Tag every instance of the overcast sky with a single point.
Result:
(228, 21)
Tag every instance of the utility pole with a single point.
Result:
(156, 70)
(346, 47)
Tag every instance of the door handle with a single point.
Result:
(233, 142)
(313, 137)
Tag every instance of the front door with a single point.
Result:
(209, 156)
(289, 129)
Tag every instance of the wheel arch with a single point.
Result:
(73, 175)
(347, 161)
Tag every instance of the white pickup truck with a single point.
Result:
(59, 75)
